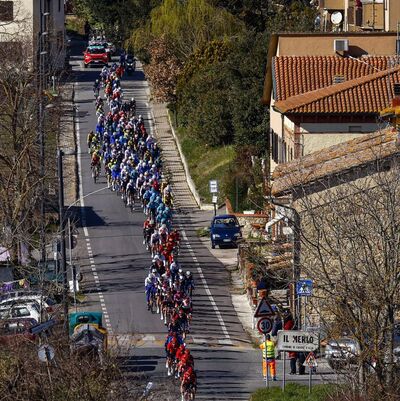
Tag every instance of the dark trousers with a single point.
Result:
(301, 359)
(293, 366)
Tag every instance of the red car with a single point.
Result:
(15, 331)
(95, 55)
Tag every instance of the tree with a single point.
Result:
(187, 26)
(350, 247)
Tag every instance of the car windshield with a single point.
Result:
(20, 311)
(225, 222)
(96, 50)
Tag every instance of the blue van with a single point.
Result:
(225, 230)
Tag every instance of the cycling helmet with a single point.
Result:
(180, 271)
(188, 274)
(154, 271)
(181, 277)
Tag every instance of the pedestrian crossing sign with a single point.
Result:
(304, 288)
(264, 309)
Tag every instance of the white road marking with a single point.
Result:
(86, 231)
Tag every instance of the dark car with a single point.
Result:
(225, 230)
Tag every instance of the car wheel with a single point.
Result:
(85, 65)
(212, 245)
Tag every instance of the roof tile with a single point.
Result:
(367, 94)
(295, 75)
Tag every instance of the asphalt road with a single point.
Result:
(115, 263)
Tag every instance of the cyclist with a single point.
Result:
(89, 140)
(130, 192)
(95, 163)
(150, 286)
(188, 383)
(189, 283)
(96, 88)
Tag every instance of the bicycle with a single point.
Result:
(189, 392)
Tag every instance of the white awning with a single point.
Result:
(273, 221)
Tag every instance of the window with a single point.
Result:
(6, 11)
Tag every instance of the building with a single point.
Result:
(39, 22)
(340, 196)
(321, 93)
(358, 15)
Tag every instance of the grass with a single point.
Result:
(203, 232)
(293, 392)
(205, 163)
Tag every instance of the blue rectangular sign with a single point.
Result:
(304, 288)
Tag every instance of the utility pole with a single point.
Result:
(63, 260)
(41, 138)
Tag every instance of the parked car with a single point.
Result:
(49, 305)
(15, 331)
(345, 351)
(95, 55)
(27, 310)
(225, 230)
(341, 352)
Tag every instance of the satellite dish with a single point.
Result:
(336, 18)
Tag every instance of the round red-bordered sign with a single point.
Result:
(264, 325)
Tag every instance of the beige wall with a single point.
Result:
(392, 15)
(322, 45)
(338, 127)
(315, 142)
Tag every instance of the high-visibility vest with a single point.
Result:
(270, 351)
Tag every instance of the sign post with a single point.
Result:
(304, 290)
(284, 371)
(264, 326)
(311, 362)
(266, 362)
(213, 186)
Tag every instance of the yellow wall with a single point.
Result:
(315, 142)
(322, 45)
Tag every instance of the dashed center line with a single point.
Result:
(227, 340)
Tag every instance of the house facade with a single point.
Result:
(344, 198)
(40, 24)
(320, 96)
(358, 15)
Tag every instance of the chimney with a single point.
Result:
(396, 97)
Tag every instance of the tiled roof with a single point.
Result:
(293, 75)
(334, 160)
(368, 94)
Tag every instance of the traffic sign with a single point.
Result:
(311, 361)
(214, 199)
(264, 325)
(304, 288)
(264, 309)
(46, 353)
(301, 341)
(213, 184)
